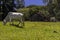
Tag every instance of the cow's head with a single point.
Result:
(4, 22)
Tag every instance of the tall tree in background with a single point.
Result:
(52, 5)
(10, 5)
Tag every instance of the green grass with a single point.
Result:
(31, 31)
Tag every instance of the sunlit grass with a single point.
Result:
(31, 31)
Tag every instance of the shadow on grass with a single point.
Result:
(16, 25)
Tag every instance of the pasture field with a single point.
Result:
(31, 31)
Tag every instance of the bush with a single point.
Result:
(25, 11)
(31, 11)
(58, 15)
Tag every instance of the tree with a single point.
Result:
(53, 7)
(10, 5)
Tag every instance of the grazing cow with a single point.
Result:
(53, 19)
(14, 15)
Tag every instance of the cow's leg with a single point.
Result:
(22, 21)
(19, 22)
(10, 20)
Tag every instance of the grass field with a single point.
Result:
(31, 31)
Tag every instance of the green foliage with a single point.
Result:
(45, 13)
(58, 15)
(25, 11)
(31, 10)
(53, 8)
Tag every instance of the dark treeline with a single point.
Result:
(50, 12)
(9, 6)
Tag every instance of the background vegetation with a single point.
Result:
(52, 9)
(34, 12)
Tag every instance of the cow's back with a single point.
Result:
(15, 15)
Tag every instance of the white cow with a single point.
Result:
(14, 15)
